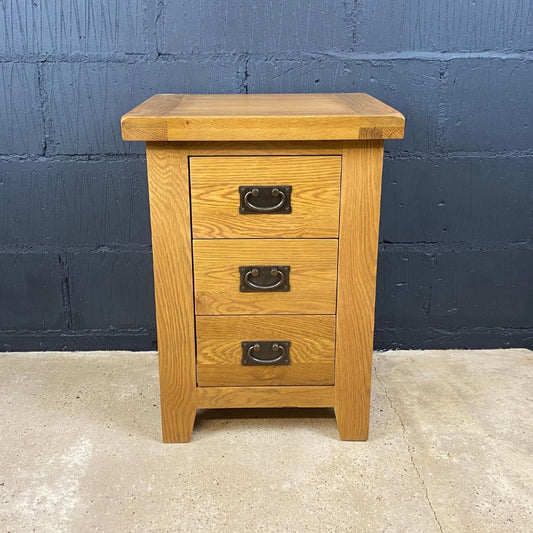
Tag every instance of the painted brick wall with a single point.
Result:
(456, 249)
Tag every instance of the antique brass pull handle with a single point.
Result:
(264, 278)
(254, 272)
(277, 350)
(257, 199)
(255, 353)
(270, 209)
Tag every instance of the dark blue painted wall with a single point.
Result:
(456, 252)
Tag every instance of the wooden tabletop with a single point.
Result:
(261, 117)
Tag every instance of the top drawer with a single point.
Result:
(215, 198)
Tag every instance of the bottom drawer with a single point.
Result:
(309, 360)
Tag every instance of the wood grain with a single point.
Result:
(219, 350)
(215, 198)
(239, 397)
(228, 138)
(358, 242)
(263, 148)
(171, 241)
(247, 117)
(313, 276)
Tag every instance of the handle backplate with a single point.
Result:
(261, 353)
(265, 278)
(265, 200)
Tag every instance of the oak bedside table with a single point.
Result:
(264, 213)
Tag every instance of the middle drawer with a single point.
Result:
(312, 276)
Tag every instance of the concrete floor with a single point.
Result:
(450, 449)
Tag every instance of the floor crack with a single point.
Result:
(404, 437)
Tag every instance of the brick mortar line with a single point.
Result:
(123, 158)
(44, 109)
(77, 332)
(512, 154)
(437, 247)
(82, 158)
(82, 249)
(526, 55)
(145, 329)
(432, 247)
(463, 337)
(442, 103)
(66, 291)
(353, 14)
(426, 55)
(455, 331)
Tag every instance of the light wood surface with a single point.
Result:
(248, 117)
(171, 241)
(239, 397)
(313, 276)
(219, 350)
(358, 243)
(215, 197)
(263, 148)
(229, 138)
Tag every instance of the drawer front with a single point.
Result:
(220, 353)
(312, 276)
(314, 196)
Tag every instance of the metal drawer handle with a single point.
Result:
(255, 194)
(276, 349)
(260, 353)
(254, 272)
(264, 196)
